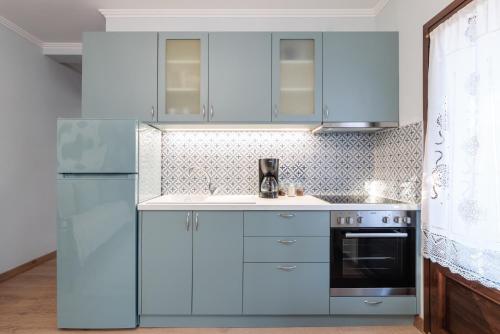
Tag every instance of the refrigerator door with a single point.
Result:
(96, 146)
(96, 251)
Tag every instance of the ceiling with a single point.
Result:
(63, 21)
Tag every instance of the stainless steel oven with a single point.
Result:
(372, 253)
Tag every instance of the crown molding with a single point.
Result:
(47, 47)
(242, 13)
(20, 31)
(61, 49)
(380, 6)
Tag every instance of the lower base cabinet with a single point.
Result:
(200, 263)
(191, 263)
(286, 289)
(397, 305)
(166, 245)
(217, 263)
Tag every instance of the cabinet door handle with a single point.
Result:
(286, 268)
(187, 221)
(275, 110)
(152, 113)
(327, 112)
(368, 302)
(196, 222)
(287, 215)
(211, 112)
(287, 242)
(203, 111)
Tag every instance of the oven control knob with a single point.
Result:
(360, 220)
(398, 220)
(341, 220)
(385, 220)
(350, 220)
(407, 220)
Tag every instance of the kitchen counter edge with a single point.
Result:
(283, 206)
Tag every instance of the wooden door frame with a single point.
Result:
(435, 275)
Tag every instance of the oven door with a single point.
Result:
(372, 262)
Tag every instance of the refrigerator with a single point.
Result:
(97, 193)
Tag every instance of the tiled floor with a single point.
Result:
(28, 305)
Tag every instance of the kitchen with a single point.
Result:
(268, 177)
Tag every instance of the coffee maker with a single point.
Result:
(268, 178)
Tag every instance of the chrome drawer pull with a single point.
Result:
(372, 303)
(187, 221)
(285, 268)
(287, 215)
(287, 242)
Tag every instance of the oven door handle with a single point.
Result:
(376, 235)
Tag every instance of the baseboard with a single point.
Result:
(244, 321)
(27, 266)
(419, 323)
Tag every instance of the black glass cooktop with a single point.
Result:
(337, 199)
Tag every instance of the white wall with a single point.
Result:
(34, 90)
(408, 17)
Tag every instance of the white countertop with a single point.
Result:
(255, 203)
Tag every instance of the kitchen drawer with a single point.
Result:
(272, 289)
(287, 249)
(373, 305)
(287, 223)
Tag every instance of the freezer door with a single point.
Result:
(96, 252)
(96, 146)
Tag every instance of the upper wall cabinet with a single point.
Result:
(297, 77)
(119, 75)
(183, 77)
(240, 77)
(360, 77)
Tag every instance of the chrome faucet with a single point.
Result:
(212, 188)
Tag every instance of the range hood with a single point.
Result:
(354, 126)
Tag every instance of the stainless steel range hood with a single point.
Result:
(354, 126)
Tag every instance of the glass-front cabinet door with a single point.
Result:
(182, 77)
(297, 77)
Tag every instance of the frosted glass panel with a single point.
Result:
(182, 76)
(297, 77)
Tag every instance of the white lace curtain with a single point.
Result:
(461, 190)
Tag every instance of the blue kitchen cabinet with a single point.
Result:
(183, 77)
(286, 270)
(191, 262)
(166, 245)
(286, 288)
(217, 262)
(287, 223)
(360, 77)
(296, 77)
(119, 75)
(390, 305)
(240, 77)
(287, 249)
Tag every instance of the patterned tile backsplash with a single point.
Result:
(397, 167)
(334, 163)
